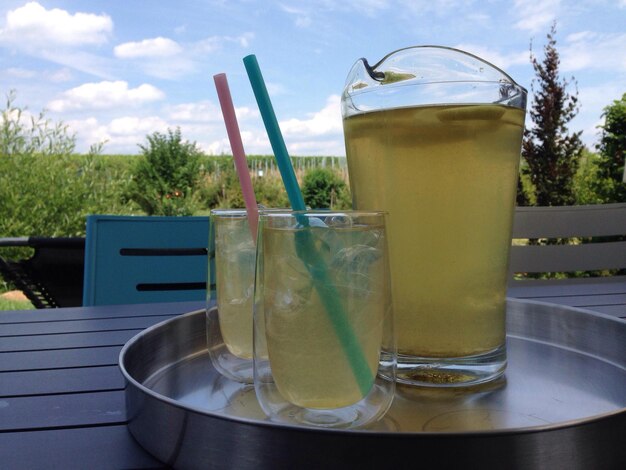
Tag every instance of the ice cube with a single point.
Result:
(351, 266)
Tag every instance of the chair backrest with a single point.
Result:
(604, 225)
(144, 259)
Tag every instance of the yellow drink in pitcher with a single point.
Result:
(308, 363)
(447, 177)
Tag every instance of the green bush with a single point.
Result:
(323, 188)
(586, 180)
(270, 191)
(610, 185)
(166, 175)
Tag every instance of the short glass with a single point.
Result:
(229, 326)
(324, 343)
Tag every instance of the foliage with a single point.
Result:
(609, 184)
(166, 175)
(270, 191)
(551, 154)
(40, 136)
(44, 189)
(323, 188)
(585, 182)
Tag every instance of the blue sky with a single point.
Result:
(117, 70)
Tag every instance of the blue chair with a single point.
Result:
(144, 259)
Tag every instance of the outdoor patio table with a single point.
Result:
(62, 395)
(61, 390)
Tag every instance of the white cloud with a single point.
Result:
(535, 15)
(304, 13)
(324, 122)
(157, 47)
(32, 26)
(104, 95)
(216, 147)
(168, 59)
(589, 50)
(132, 125)
(120, 134)
(206, 111)
(214, 43)
(302, 16)
(197, 112)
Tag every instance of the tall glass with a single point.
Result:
(433, 137)
(324, 345)
(229, 326)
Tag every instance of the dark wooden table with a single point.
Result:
(62, 402)
(61, 391)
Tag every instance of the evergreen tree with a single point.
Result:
(610, 185)
(552, 155)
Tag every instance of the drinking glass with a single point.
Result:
(324, 344)
(433, 137)
(229, 326)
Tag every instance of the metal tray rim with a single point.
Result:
(440, 435)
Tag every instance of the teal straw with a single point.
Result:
(306, 248)
(273, 131)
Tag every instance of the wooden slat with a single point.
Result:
(41, 360)
(105, 447)
(66, 341)
(76, 326)
(42, 382)
(56, 411)
(570, 221)
(567, 258)
(105, 311)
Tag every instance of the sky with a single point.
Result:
(116, 71)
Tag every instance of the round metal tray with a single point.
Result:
(561, 404)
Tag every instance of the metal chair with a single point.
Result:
(144, 259)
(53, 276)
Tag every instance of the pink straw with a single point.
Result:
(236, 145)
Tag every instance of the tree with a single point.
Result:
(610, 185)
(552, 155)
(166, 175)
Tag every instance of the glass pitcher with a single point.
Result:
(433, 137)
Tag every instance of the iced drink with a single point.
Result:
(234, 265)
(447, 177)
(308, 364)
